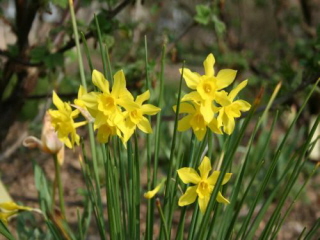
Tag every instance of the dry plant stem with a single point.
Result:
(59, 183)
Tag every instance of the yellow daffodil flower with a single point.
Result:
(63, 122)
(195, 120)
(206, 86)
(135, 116)
(9, 209)
(231, 109)
(105, 104)
(204, 185)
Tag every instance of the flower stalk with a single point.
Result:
(58, 183)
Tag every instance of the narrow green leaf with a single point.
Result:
(4, 231)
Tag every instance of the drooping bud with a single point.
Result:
(49, 142)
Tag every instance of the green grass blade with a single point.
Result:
(86, 50)
(76, 38)
(103, 56)
(240, 178)
(150, 207)
(86, 167)
(313, 230)
(170, 190)
(158, 127)
(4, 231)
(201, 233)
(90, 125)
(136, 185)
(290, 183)
(292, 203)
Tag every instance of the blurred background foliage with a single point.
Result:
(267, 41)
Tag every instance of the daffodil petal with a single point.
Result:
(184, 123)
(90, 100)
(192, 78)
(99, 80)
(11, 206)
(214, 126)
(212, 179)
(188, 197)
(185, 107)
(203, 203)
(205, 168)
(81, 91)
(152, 193)
(119, 84)
(127, 103)
(60, 155)
(200, 133)
(222, 98)
(79, 124)
(11, 209)
(149, 109)
(75, 138)
(221, 199)
(188, 175)
(233, 111)
(127, 128)
(237, 89)
(225, 77)
(192, 96)
(208, 65)
(206, 110)
(220, 117)
(143, 97)
(144, 125)
(57, 101)
(226, 178)
(228, 125)
(242, 105)
(100, 120)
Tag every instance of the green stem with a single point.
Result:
(158, 129)
(163, 220)
(170, 191)
(59, 182)
(86, 49)
(103, 56)
(150, 208)
(76, 38)
(124, 189)
(83, 81)
(132, 204)
(109, 65)
(194, 221)
(136, 184)
(53, 197)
